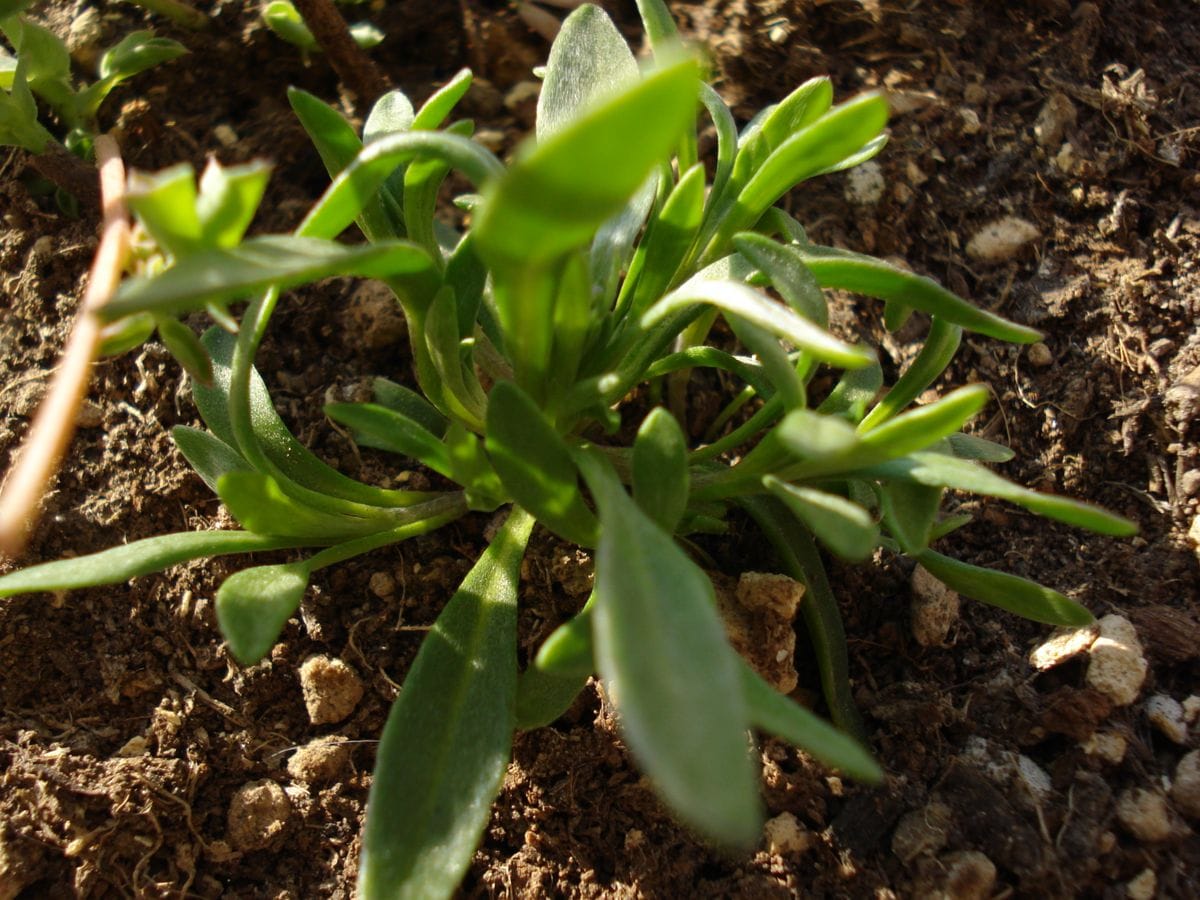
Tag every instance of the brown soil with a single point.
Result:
(127, 734)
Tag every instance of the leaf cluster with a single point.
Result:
(571, 310)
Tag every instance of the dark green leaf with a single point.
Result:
(919, 428)
(448, 736)
(185, 346)
(660, 475)
(254, 604)
(842, 525)
(939, 348)
(909, 511)
(535, 465)
(331, 134)
(229, 198)
(385, 429)
(259, 505)
(854, 392)
(434, 110)
(660, 643)
(282, 17)
(139, 558)
(968, 446)
(1018, 595)
(410, 404)
(668, 237)
(210, 456)
(125, 334)
(788, 273)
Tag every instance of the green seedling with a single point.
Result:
(584, 288)
(41, 69)
(282, 17)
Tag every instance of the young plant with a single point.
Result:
(585, 287)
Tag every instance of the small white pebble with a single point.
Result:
(1143, 886)
(1117, 665)
(865, 184)
(382, 585)
(1057, 115)
(1185, 789)
(1034, 779)
(1002, 239)
(1063, 645)
(970, 120)
(1144, 814)
(784, 834)
(1107, 746)
(1166, 714)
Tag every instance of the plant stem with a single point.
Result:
(68, 172)
(54, 424)
(177, 11)
(355, 69)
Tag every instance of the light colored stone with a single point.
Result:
(382, 585)
(934, 608)
(331, 689)
(784, 835)
(1185, 789)
(374, 317)
(319, 761)
(1194, 535)
(1108, 746)
(258, 813)
(1057, 115)
(1002, 239)
(969, 876)
(1144, 814)
(865, 184)
(1117, 666)
(1064, 644)
(1039, 355)
(1191, 709)
(1166, 714)
(1143, 886)
(922, 832)
(970, 120)
(1034, 779)
(770, 591)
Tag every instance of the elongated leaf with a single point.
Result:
(253, 605)
(210, 456)
(939, 348)
(535, 464)
(19, 126)
(854, 392)
(543, 697)
(939, 470)
(549, 202)
(185, 346)
(757, 309)
(842, 525)
(875, 278)
(919, 428)
(1018, 595)
(668, 237)
(165, 204)
(660, 475)
(588, 62)
(334, 138)
(259, 505)
(969, 446)
(788, 273)
(569, 649)
(434, 110)
(774, 713)
(778, 366)
(282, 17)
(279, 445)
(805, 105)
(658, 23)
(409, 403)
(224, 274)
(229, 197)
(447, 739)
(909, 511)
(385, 429)
(142, 557)
(392, 114)
(659, 641)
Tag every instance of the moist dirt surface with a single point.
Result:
(138, 760)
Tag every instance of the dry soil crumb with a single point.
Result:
(934, 609)
(1143, 887)
(320, 760)
(1166, 714)
(1118, 665)
(922, 831)
(1144, 814)
(331, 689)
(258, 812)
(784, 835)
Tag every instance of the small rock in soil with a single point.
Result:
(969, 876)
(1108, 746)
(1166, 714)
(1039, 355)
(1191, 709)
(1145, 814)
(319, 761)
(760, 624)
(1118, 666)
(922, 832)
(1063, 645)
(258, 812)
(865, 184)
(1143, 887)
(1185, 789)
(784, 835)
(382, 585)
(934, 609)
(331, 689)
(1057, 115)
(1002, 239)
(373, 316)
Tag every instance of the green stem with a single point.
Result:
(433, 515)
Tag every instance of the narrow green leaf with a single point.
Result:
(854, 392)
(757, 309)
(185, 346)
(969, 446)
(778, 366)
(282, 17)
(842, 525)
(410, 404)
(909, 512)
(543, 697)
(772, 712)
(569, 649)
(143, 557)
(895, 315)
(254, 604)
(448, 737)
(439, 105)
(259, 505)
(385, 429)
(939, 348)
(805, 105)
(225, 274)
(589, 62)
(535, 465)
(658, 23)
(939, 470)
(137, 52)
(659, 641)
(848, 271)
(229, 198)
(548, 203)
(660, 475)
(334, 137)
(165, 204)
(392, 114)
(917, 429)
(19, 126)
(1017, 595)
(210, 456)
(668, 237)
(125, 334)
(788, 273)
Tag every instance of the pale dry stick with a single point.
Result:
(54, 424)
